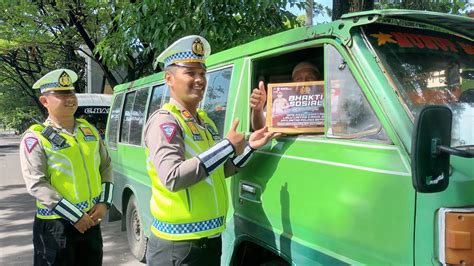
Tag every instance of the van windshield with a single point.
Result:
(430, 68)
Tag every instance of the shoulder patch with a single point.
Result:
(30, 143)
(169, 130)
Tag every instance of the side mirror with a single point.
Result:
(430, 170)
(430, 151)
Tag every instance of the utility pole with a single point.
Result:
(309, 13)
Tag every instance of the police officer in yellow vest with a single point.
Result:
(67, 169)
(188, 162)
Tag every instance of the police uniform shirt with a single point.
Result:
(168, 158)
(34, 167)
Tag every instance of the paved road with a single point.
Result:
(17, 212)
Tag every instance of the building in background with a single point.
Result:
(96, 81)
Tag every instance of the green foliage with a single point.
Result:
(17, 111)
(37, 37)
(143, 30)
(455, 7)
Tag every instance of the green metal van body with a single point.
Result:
(319, 199)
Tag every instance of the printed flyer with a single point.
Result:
(296, 107)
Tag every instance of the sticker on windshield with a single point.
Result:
(414, 40)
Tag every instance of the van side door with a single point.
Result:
(343, 196)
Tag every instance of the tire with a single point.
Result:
(135, 236)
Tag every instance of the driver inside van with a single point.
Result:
(302, 72)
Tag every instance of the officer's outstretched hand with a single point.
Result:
(84, 223)
(236, 139)
(261, 137)
(97, 213)
(258, 97)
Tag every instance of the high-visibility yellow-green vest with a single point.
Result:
(198, 211)
(74, 168)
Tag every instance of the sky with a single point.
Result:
(328, 3)
(318, 19)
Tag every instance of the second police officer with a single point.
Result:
(67, 169)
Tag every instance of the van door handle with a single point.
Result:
(248, 188)
(250, 192)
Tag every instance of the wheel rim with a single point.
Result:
(136, 225)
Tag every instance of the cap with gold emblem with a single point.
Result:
(57, 80)
(189, 49)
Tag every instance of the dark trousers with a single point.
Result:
(57, 242)
(204, 251)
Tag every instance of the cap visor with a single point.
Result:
(189, 64)
(59, 92)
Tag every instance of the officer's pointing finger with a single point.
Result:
(235, 124)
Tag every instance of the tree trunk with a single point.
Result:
(90, 44)
(341, 7)
(368, 5)
(309, 13)
(411, 4)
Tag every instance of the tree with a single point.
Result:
(41, 36)
(456, 7)
(340, 7)
(144, 29)
(58, 26)
(16, 110)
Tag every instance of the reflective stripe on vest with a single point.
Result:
(74, 169)
(83, 206)
(198, 211)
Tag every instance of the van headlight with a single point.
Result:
(456, 236)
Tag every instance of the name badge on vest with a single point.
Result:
(196, 135)
(214, 134)
(88, 135)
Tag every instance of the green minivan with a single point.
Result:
(390, 180)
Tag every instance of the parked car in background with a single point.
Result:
(94, 108)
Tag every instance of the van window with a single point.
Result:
(137, 118)
(166, 94)
(279, 68)
(127, 117)
(215, 98)
(156, 98)
(300, 106)
(114, 121)
(350, 115)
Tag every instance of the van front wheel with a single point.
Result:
(136, 238)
